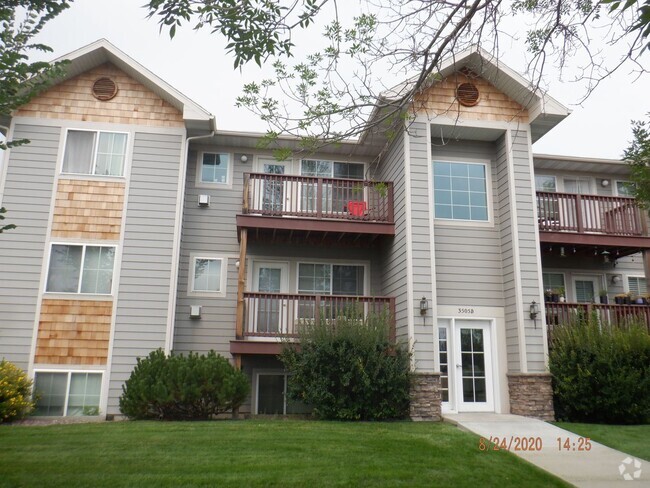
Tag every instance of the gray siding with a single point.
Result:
(528, 246)
(146, 266)
(468, 259)
(27, 197)
(394, 256)
(507, 255)
(209, 231)
(421, 246)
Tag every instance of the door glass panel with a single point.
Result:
(444, 365)
(585, 292)
(473, 365)
(273, 194)
(268, 309)
(270, 394)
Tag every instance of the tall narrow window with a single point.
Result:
(460, 191)
(95, 153)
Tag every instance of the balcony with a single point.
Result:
(313, 209)
(614, 314)
(269, 318)
(592, 220)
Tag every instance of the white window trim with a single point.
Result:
(93, 175)
(199, 183)
(84, 245)
(616, 182)
(626, 285)
(364, 265)
(365, 167)
(223, 280)
(69, 373)
(269, 372)
(490, 204)
(546, 176)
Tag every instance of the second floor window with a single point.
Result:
(545, 183)
(625, 189)
(208, 275)
(329, 169)
(215, 168)
(460, 191)
(328, 279)
(95, 153)
(80, 269)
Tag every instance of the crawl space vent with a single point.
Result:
(467, 94)
(104, 89)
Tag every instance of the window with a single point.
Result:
(545, 183)
(208, 275)
(625, 189)
(336, 195)
(553, 281)
(272, 398)
(80, 269)
(67, 393)
(577, 185)
(460, 191)
(443, 343)
(215, 168)
(637, 285)
(94, 153)
(329, 169)
(328, 279)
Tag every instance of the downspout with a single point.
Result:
(169, 340)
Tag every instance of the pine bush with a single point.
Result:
(178, 387)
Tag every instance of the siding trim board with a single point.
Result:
(519, 298)
(409, 245)
(434, 284)
(111, 127)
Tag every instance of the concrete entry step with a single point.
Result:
(574, 459)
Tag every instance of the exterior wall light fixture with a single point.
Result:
(534, 311)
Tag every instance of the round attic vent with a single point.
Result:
(467, 94)
(104, 89)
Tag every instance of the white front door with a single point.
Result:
(270, 310)
(465, 355)
(586, 288)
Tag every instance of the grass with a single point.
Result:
(631, 439)
(256, 453)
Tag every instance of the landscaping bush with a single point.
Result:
(601, 373)
(15, 393)
(349, 370)
(178, 387)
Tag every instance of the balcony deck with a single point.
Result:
(284, 207)
(592, 220)
(270, 318)
(613, 314)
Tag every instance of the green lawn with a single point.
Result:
(631, 439)
(256, 453)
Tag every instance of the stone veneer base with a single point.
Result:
(426, 398)
(531, 395)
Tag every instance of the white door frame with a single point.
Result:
(453, 325)
(283, 266)
(596, 278)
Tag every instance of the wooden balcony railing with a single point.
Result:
(570, 212)
(277, 315)
(612, 314)
(318, 198)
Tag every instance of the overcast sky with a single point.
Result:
(195, 64)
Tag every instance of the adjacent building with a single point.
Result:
(141, 225)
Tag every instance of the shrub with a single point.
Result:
(601, 373)
(177, 387)
(15, 393)
(350, 370)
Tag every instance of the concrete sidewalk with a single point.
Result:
(598, 467)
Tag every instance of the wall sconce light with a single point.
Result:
(605, 255)
(604, 183)
(534, 311)
(237, 264)
(424, 306)
(243, 158)
(562, 253)
(616, 279)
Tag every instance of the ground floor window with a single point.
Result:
(272, 396)
(67, 393)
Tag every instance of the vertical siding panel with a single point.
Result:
(30, 171)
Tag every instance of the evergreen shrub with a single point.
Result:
(179, 387)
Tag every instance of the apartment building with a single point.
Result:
(141, 225)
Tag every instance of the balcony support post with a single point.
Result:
(241, 284)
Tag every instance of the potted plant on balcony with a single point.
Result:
(640, 300)
(560, 292)
(620, 299)
(603, 296)
(548, 295)
(357, 206)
